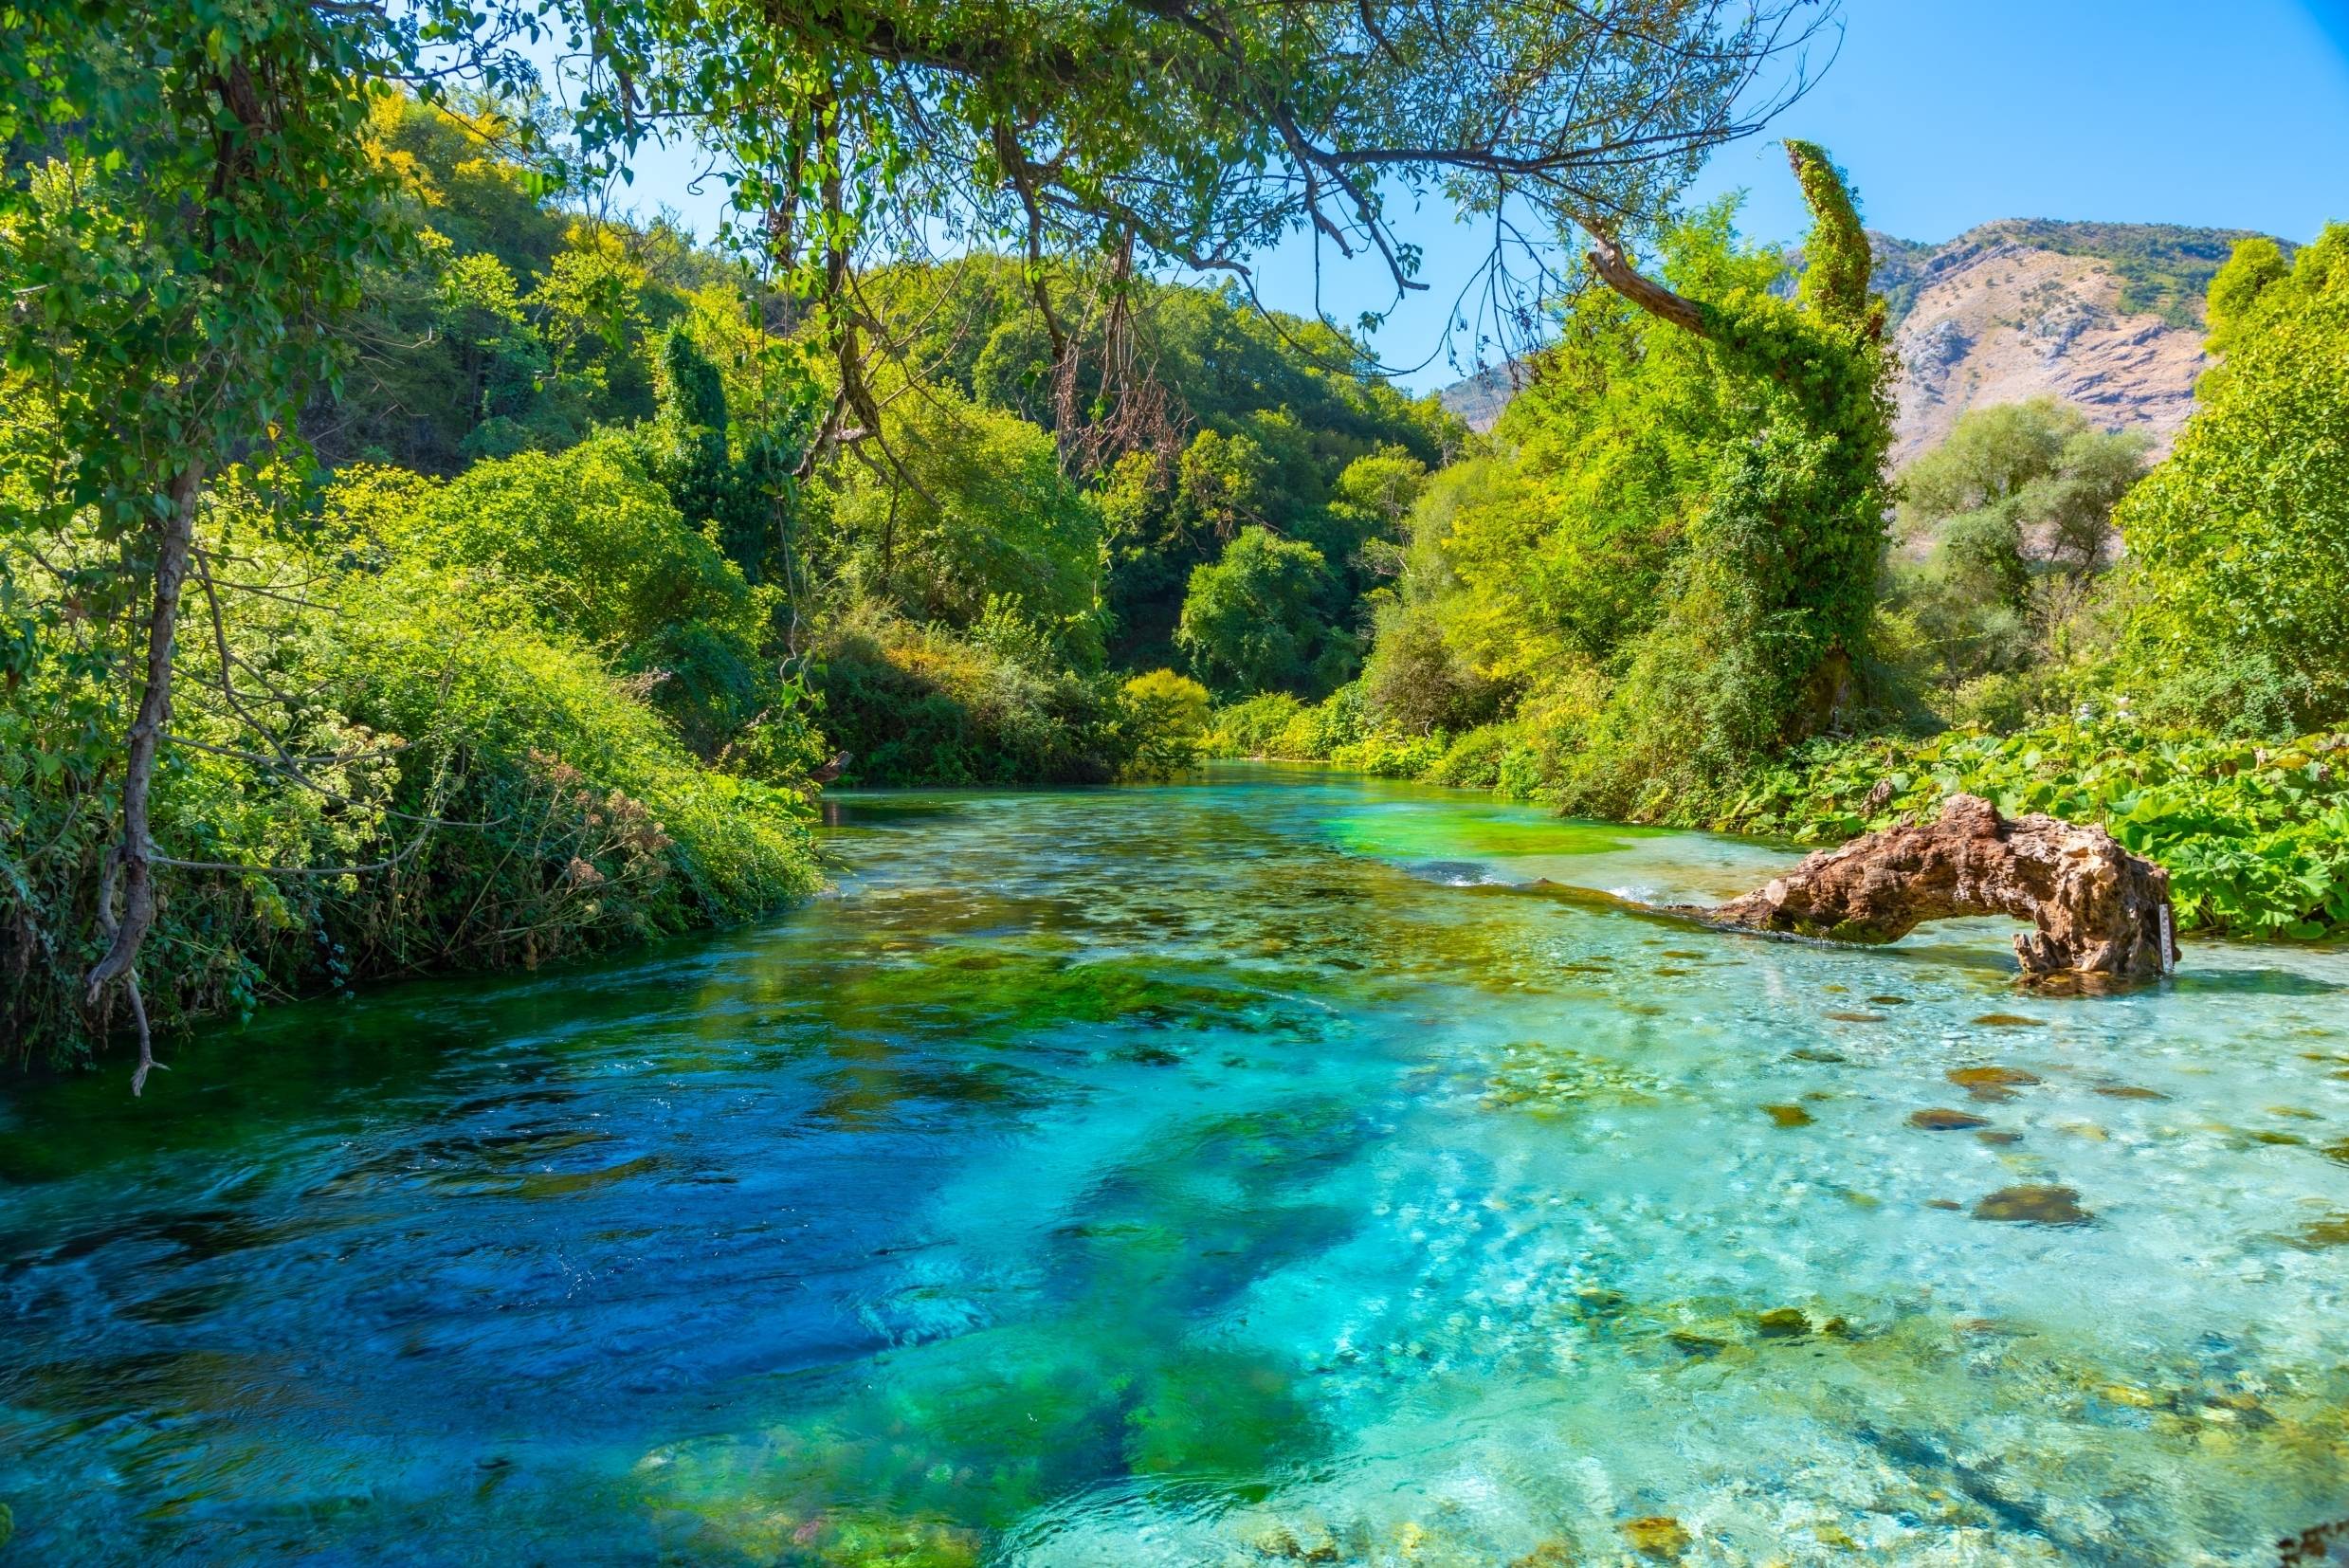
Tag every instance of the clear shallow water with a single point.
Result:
(1234, 1174)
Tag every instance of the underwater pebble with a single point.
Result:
(2034, 1205)
(2324, 1233)
(1553, 1553)
(1947, 1121)
(1991, 1083)
(1656, 1535)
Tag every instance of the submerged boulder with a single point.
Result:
(2101, 913)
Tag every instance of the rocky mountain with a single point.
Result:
(1479, 398)
(2105, 316)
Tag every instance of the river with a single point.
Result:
(1245, 1172)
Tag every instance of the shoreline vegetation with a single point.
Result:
(2255, 836)
(414, 569)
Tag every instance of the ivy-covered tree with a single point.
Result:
(186, 199)
(1766, 626)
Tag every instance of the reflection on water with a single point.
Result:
(1246, 1173)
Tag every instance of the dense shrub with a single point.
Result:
(588, 545)
(1252, 727)
(2241, 539)
(507, 797)
(924, 704)
(1387, 754)
(1165, 718)
(1418, 682)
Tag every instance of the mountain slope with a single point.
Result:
(2105, 316)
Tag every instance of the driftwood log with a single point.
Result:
(2103, 914)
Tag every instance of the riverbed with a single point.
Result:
(1284, 1167)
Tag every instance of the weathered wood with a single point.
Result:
(2101, 913)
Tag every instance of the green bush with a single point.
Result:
(1416, 682)
(1251, 727)
(1387, 754)
(510, 798)
(1474, 760)
(597, 826)
(1165, 718)
(586, 544)
(1313, 733)
(914, 704)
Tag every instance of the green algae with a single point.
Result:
(2034, 1205)
(1403, 834)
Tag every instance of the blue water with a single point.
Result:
(1240, 1173)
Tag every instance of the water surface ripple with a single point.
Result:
(1232, 1173)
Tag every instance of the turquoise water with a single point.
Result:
(1233, 1173)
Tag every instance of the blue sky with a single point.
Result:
(1950, 113)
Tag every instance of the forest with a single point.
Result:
(772, 791)
(523, 627)
(546, 628)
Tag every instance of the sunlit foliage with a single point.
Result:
(2242, 538)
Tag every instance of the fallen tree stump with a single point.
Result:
(2103, 914)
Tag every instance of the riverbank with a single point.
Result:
(2255, 836)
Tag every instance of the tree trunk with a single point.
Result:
(2103, 914)
(1616, 270)
(134, 857)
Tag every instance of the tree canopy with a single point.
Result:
(2242, 539)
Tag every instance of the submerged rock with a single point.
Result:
(2324, 1233)
(1789, 1116)
(1554, 1553)
(1995, 1084)
(1946, 1122)
(1783, 1322)
(1657, 1536)
(2100, 912)
(2034, 1206)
